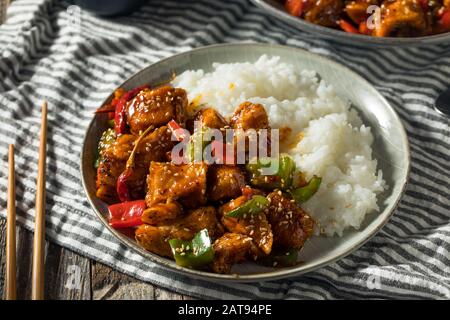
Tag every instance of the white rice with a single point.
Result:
(334, 143)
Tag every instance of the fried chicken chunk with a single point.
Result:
(156, 107)
(210, 118)
(401, 18)
(153, 147)
(291, 225)
(162, 213)
(155, 238)
(255, 226)
(224, 182)
(323, 12)
(230, 249)
(185, 183)
(250, 116)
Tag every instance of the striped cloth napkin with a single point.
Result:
(48, 52)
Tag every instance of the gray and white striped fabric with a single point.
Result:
(43, 57)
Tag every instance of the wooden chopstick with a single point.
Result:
(11, 230)
(37, 292)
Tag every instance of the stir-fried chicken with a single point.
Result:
(291, 225)
(113, 160)
(230, 249)
(156, 107)
(185, 183)
(255, 226)
(155, 238)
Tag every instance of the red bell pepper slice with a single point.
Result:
(126, 214)
(120, 123)
(294, 7)
(347, 26)
(177, 130)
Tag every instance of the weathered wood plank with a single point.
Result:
(112, 285)
(2, 257)
(163, 294)
(67, 275)
(24, 262)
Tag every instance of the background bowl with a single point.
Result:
(277, 10)
(390, 149)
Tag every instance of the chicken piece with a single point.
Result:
(357, 10)
(230, 249)
(210, 118)
(112, 164)
(153, 147)
(401, 18)
(156, 107)
(162, 213)
(250, 116)
(255, 226)
(291, 226)
(185, 183)
(225, 182)
(323, 12)
(155, 238)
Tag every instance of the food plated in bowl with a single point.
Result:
(367, 22)
(327, 196)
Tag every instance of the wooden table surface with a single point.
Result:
(97, 280)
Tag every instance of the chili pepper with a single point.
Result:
(444, 21)
(303, 194)
(126, 214)
(294, 7)
(255, 205)
(107, 138)
(195, 253)
(122, 182)
(347, 26)
(111, 107)
(280, 258)
(363, 29)
(281, 179)
(120, 123)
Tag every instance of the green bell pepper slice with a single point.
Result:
(195, 253)
(303, 194)
(282, 179)
(253, 206)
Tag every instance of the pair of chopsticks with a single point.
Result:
(37, 292)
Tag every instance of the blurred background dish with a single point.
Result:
(110, 8)
(278, 9)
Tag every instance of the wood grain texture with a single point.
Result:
(24, 257)
(68, 275)
(97, 281)
(2, 257)
(110, 284)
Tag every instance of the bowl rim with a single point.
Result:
(352, 39)
(275, 274)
